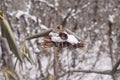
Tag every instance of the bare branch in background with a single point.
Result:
(107, 72)
(56, 62)
(114, 70)
(6, 54)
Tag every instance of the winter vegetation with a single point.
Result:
(59, 39)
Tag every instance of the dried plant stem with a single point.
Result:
(116, 66)
(56, 63)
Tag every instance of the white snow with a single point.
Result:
(72, 39)
(104, 63)
(69, 9)
(111, 18)
(43, 26)
(39, 20)
(28, 6)
(86, 5)
(53, 34)
(44, 63)
(12, 13)
(105, 37)
(19, 13)
(56, 4)
(28, 30)
(47, 3)
(65, 58)
(74, 14)
(89, 76)
(96, 46)
(96, 30)
(1, 75)
(103, 25)
(51, 71)
(56, 39)
(84, 29)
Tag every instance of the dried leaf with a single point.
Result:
(42, 34)
(26, 54)
(6, 76)
(11, 74)
(8, 34)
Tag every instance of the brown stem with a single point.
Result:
(56, 63)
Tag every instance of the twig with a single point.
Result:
(56, 63)
(110, 43)
(115, 66)
(46, 3)
(63, 23)
(6, 53)
(108, 72)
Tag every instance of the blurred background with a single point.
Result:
(95, 22)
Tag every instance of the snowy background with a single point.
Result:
(96, 22)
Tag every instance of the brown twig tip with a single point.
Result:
(81, 45)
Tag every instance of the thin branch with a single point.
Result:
(110, 40)
(6, 53)
(115, 66)
(107, 72)
(56, 63)
(110, 48)
(46, 3)
(63, 23)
